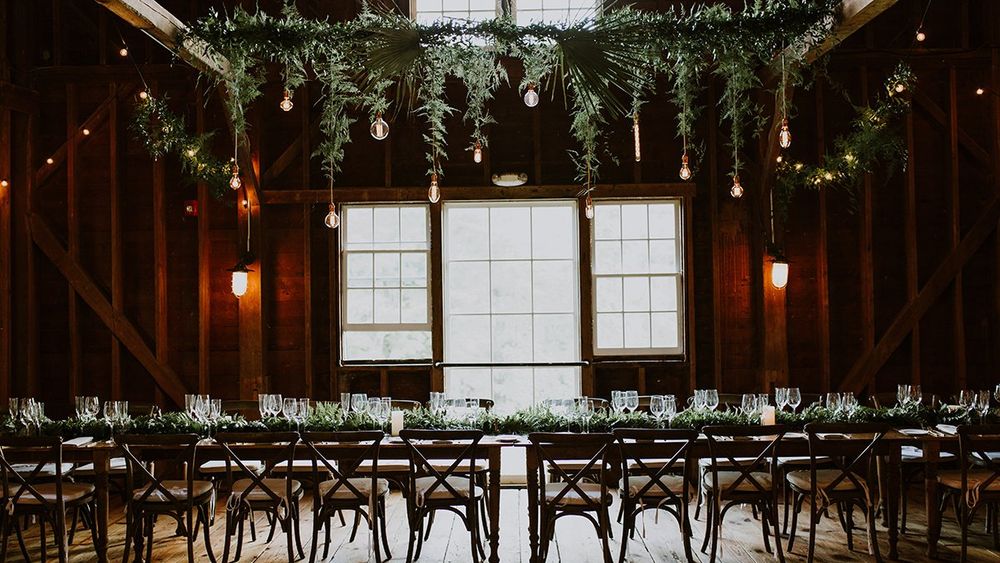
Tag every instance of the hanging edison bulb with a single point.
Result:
(685, 172)
(737, 190)
(434, 192)
(286, 104)
(531, 96)
(332, 220)
(379, 128)
(588, 207)
(477, 153)
(784, 136)
(635, 137)
(235, 182)
(921, 36)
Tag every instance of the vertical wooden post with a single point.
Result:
(437, 297)
(6, 255)
(73, 232)
(307, 328)
(713, 201)
(995, 84)
(866, 263)
(251, 305)
(161, 328)
(31, 385)
(536, 150)
(910, 228)
(117, 285)
(958, 315)
(588, 373)
(333, 270)
(822, 265)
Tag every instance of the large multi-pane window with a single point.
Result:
(385, 270)
(524, 11)
(638, 276)
(511, 301)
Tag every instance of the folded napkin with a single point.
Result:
(948, 429)
(81, 441)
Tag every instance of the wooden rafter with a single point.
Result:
(853, 16)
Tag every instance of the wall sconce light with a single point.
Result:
(779, 272)
(241, 276)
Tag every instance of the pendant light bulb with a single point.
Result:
(921, 36)
(477, 153)
(332, 220)
(635, 137)
(685, 172)
(235, 183)
(784, 136)
(737, 190)
(531, 96)
(379, 128)
(588, 208)
(239, 282)
(286, 104)
(434, 192)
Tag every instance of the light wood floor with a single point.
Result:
(575, 541)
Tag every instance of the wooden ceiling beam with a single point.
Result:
(853, 16)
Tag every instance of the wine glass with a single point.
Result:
(618, 401)
(657, 407)
(190, 406)
(748, 403)
(794, 397)
(262, 404)
(93, 407)
(345, 401)
(585, 409)
(983, 404)
(669, 407)
(833, 402)
(902, 394)
(967, 399)
(996, 392)
(712, 398)
(781, 397)
(631, 401)
(916, 395)
(289, 408)
(700, 399)
(848, 402)
(359, 402)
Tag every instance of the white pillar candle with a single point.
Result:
(767, 416)
(397, 422)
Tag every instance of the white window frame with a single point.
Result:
(345, 325)
(499, 8)
(680, 229)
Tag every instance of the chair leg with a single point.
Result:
(873, 546)
(813, 517)
(20, 540)
(777, 535)
(716, 526)
(326, 545)
(385, 536)
(430, 524)
(59, 527)
(708, 523)
(849, 524)
(229, 524)
(315, 534)
(764, 528)
(289, 531)
(5, 531)
(627, 519)
(298, 535)
(149, 538)
(420, 535)
(964, 522)
(72, 525)
(41, 525)
(685, 530)
(189, 534)
(354, 529)
(796, 508)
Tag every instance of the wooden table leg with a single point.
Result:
(494, 507)
(102, 466)
(892, 497)
(532, 469)
(932, 449)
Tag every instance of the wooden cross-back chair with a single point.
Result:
(36, 493)
(257, 491)
(573, 493)
(434, 486)
(164, 494)
(742, 471)
(654, 477)
(345, 489)
(977, 481)
(843, 473)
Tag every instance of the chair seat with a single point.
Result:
(362, 484)
(727, 478)
(72, 492)
(572, 496)
(953, 480)
(217, 466)
(824, 477)
(257, 494)
(176, 488)
(461, 485)
(913, 454)
(116, 467)
(800, 461)
(48, 470)
(674, 483)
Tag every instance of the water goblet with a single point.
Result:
(902, 394)
(781, 397)
(916, 395)
(833, 402)
(712, 399)
(794, 398)
(345, 402)
(748, 403)
(631, 401)
(359, 402)
(657, 407)
(618, 401)
(669, 407)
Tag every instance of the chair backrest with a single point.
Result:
(426, 444)
(745, 450)
(240, 445)
(554, 448)
(21, 485)
(979, 445)
(141, 449)
(669, 447)
(405, 405)
(849, 449)
(350, 449)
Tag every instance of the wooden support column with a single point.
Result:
(307, 329)
(588, 377)
(995, 81)
(713, 201)
(204, 267)
(955, 233)
(160, 266)
(73, 232)
(437, 297)
(117, 272)
(822, 261)
(912, 259)
(251, 305)
(333, 276)
(6, 255)
(866, 262)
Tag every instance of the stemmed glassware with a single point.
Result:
(794, 398)
(848, 402)
(983, 404)
(618, 401)
(967, 399)
(781, 397)
(916, 395)
(996, 392)
(902, 394)
(345, 402)
(359, 403)
(712, 399)
(657, 408)
(437, 402)
(584, 408)
(700, 399)
(833, 402)
(631, 401)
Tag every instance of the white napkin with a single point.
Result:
(948, 429)
(81, 441)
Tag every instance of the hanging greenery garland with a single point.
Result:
(602, 66)
(873, 139)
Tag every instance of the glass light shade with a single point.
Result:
(588, 209)
(286, 104)
(635, 138)
(531, 96)
(235, 182)
(779, 273)
(434, 192)
(332, 220)
(685, 172)
(379, 128)
(240, 280)
(737, 190)
(784, 136)
(477, 153)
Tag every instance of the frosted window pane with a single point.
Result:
(414, 270)
(469, 338)
(665, 330)
(468, 287)
(386, 224)
(607, 222)
(468, 234)
(634, 222)
(552, 232)
(413, 224)
(663, 294)
(610, 330)
(468, 382)
(455, 5)
(529, 5)
(359, 306)
(511, 287)
(635, 256)
(609, 295)
(513, 388)
(512, 338)
(555, 338)
(556, 383)
(428, 5)
(554, 284)
(387, 270)
(359, 270)
(607, 257)
(637, 330)
(387, 306)
(358, 221)
(636, 292)
(510, 232)
(663, 256)
(413, 306)
(389, 345)
(662, 220)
